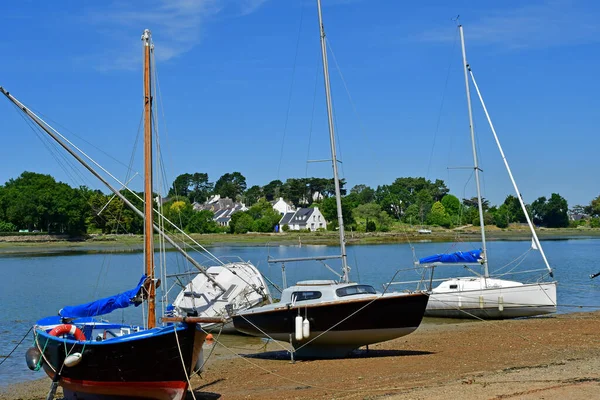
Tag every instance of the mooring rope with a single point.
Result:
(15, 348)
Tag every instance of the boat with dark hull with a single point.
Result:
(94, 359)
(145, 363)
(328, 319)
(340, 317)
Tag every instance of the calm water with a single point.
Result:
(34, 287)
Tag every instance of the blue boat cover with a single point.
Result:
(105, 305)
(471, 256)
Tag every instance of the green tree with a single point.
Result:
(514, 209)
(594, 207)
(252, 195)
(364, 194)
(502, 216)
(181, 185)
(200, 187)
(202, 222)
(195, 187)
(37, 202)
(451, 204)
(438, 215)
(243, 223)
(552, 213)
(272, 190)
(231, 185)
(369, 212)
(7, 227)
(328, 208)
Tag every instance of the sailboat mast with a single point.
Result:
(148, 201)
(334, 161)
(475, 161)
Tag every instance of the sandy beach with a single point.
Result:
(553, 357)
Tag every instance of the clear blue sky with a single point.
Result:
(226, 68)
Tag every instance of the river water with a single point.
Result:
(32, 287)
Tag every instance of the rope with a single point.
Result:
(15, 348)
(182, 362)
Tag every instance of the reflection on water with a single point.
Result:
(33, 287)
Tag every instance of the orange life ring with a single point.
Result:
(67, 329)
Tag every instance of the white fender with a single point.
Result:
(305, 328)
(298, 331)
(73, 359)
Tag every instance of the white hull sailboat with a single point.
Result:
(245, 288)
(485, 296)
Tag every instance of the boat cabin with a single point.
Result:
(324, 291)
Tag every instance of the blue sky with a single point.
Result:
(228, 69)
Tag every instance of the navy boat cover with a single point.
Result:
(105, 305)
(472, 256)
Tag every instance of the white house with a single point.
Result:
(304, 218)
(282, 206)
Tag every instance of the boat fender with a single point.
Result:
(67, 329)
(481, 302)
(305, 328)
(298, 330)
(459, 302)
(32, 358)
(500, 303)
(72, 359)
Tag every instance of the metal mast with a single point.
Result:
(475, 162)
(148, 200)
(334, 161)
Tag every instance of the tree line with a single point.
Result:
(37, 202)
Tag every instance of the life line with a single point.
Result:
(67, 329)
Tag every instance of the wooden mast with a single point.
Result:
(148, 200)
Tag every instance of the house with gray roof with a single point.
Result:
(222, 208)
(304, 218)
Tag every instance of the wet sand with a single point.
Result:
(539, 358)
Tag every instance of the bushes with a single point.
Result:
(7, 227)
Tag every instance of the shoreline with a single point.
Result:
(60, 244)
(551, 357)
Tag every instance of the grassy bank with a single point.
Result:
(124, 243)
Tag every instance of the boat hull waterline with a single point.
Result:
(338, 327)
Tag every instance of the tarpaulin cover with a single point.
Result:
(472, 256)
(105, 305)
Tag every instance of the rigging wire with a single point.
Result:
(289, 103)
(439, 118)
(312, 116)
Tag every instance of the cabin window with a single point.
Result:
(308, 295)
(454, 286)
(356, 289)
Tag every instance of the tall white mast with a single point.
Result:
(512, 179)
(475, 162)
(334, 161)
